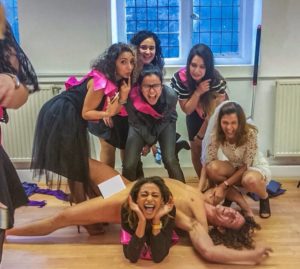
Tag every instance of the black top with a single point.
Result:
(159, 244)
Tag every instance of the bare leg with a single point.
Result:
(100, 172)
(218, 171)
(107, 153)
(89, 212)
(253, 181)
(78, 195)
(196, 157)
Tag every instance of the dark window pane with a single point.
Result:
(226, 39)
(204, 13)
(205, 38)
(216, 3)
(152, 26)
(215, 12)
(152, 13)
(141, 25)
(140, 13)
(163, 26)
(226, 2)
(174, 52)
(173, 13)
(215, 39)
(174, 26)
(215, 25)
(131, 27)
(152, 3)
(130, 13)
(204, 3)
(226, 12)
(173, 40)
(163, 3)
(130, 3)
(141, 3)
(163, 13)
(205, 25)
(226, 25)
(216, 49)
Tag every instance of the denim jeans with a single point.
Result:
(167, 141)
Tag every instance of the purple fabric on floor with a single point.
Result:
(36, 203)
(31, 188)
(57, 193)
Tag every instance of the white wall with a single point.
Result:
(61, 38)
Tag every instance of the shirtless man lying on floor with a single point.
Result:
(192, 216)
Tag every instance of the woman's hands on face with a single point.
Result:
(164, 209)
(135, 208)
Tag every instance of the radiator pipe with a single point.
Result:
(255, 70)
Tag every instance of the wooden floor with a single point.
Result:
(68, 249)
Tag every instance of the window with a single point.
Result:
(11, 10)
(226, 26)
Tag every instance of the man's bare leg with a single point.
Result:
(92, 211)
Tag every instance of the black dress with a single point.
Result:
(12, 193)
(61, 142)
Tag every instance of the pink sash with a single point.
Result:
(141, 105)
(146, 251)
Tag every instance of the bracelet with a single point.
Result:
(199, 137)
(122, 102)
(15, 79)
(156, 226)
(226, 184)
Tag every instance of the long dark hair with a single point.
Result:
(206, 54)
(140, 36)
(237, 239)
(165, 193)
(9, 47)
(243, 126)
(106, 62)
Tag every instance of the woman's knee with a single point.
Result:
(252, 181)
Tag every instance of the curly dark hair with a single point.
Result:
(206, 54)
(243, 126)
(140, 36)
(237, 239)
(164, 190)
(106, 62)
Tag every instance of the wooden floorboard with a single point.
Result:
(66, 248)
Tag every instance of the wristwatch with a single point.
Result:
(15, 79)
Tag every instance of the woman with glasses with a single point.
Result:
(152, 118)
(191, 83)
(149, 50)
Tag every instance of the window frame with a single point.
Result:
(250, 18)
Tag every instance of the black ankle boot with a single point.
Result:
(264, 208)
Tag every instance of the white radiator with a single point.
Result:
(18, 133)
(287, 119)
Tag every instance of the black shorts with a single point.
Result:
(193, 123)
